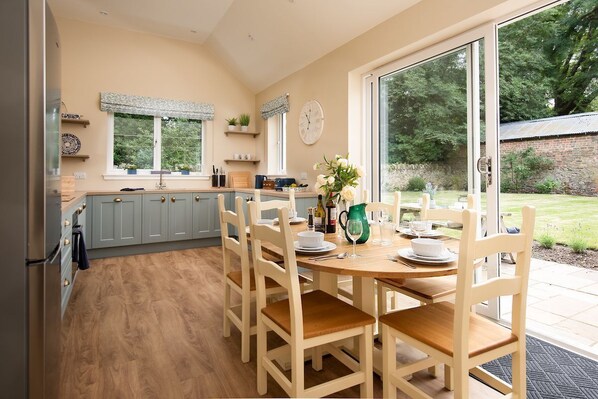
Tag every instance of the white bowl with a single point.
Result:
(310, 239)
(427, 247)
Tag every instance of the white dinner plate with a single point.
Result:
(427, 234)
(296, 220)
(327, 247)
(408, 253)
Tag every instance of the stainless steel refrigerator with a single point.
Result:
(29, 201)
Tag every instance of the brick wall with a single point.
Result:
(575, 161)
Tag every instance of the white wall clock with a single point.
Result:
(311, 122)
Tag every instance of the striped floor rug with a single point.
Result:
(552, 372)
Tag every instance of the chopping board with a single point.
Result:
(240, 179)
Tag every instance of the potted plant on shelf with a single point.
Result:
(184, 169)
(130, 167)
(244, 121)
(232, 123)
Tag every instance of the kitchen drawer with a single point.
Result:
(65, 259)
(67, 227)
(66, 289)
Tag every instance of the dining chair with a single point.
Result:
(310, 321)
(240, 281)
(273, 204)
(456, 336)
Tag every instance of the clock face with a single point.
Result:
(311, 122)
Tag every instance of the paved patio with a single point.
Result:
(562, 305)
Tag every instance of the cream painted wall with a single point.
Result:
(335, 79)
(96, 58)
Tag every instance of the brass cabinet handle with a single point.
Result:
(118, 199)
(173, 199)
(197, 198)
(67, 222)
(66, 283)
(79, 210)
(84, 205)
(162, 199)
(67, 241)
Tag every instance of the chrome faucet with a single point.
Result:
(160, 185)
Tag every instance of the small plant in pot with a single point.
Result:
(130, 167)
(430, 189)
(244, 121)
(232, 123)
(184, 169)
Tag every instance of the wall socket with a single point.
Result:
(80, 175)
(303, 176)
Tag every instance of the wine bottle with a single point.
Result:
(320, 216)
(330, 216)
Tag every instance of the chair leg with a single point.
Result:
(262, 348)
(366, 389)
(461, 379)
(316, 358)
(449, 379)
(246, 326)
(226, 307)
(297, 371)
(389, 362)
(381, 299)
(519, 372)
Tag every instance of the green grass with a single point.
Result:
(564, 217)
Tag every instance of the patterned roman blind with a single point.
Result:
(128, 104)
(279, 105)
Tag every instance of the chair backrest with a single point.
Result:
(394, 209)
(273, 204)
(454, 215)
(287, 276)
(468, 293)
(230, 244)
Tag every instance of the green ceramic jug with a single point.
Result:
(356, 212)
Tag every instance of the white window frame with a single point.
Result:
(277, 144)
(144, 173)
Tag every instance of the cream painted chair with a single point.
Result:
(273, 204)
(240, 281)
(453, 334)
(311, 321)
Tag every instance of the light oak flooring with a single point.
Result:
(150, 326)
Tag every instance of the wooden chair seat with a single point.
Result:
(322, 314)
(433, 326)
(427, 290)
(237, 278)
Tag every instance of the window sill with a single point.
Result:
(147, 176)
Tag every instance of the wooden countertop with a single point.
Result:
(73, 199)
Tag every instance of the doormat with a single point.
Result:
(552, 372)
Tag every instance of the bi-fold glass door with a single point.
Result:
(430, 132)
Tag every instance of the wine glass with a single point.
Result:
(354, 231)
(418, 227)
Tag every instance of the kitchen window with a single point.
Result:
(155, 143)
(277, 147)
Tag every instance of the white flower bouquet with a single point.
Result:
(339, 179)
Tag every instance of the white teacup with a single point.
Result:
(427, 247)
(311, 239)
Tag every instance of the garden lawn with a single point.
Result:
(564, 217)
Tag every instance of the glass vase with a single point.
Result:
(341, 205)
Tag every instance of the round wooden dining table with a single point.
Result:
(372, 262)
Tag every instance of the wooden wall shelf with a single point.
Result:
(81, 157)
(254, 134)
(83, 122)
(242, 160)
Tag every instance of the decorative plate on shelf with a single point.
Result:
(70, 144)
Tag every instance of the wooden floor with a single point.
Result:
(150, 326)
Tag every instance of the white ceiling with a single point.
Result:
(262, 41)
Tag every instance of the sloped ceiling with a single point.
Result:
(262, 41)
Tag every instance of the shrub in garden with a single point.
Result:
(578, 245)
(416, 184)
(548, 185)
(546, 241)
(519, 167)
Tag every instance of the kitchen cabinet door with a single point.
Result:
(180, 222)
(206, 222)
(155, 218)
(116, 220)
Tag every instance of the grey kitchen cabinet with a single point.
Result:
(180, 222)
(155, 218)
(116, 220)
(206, 222)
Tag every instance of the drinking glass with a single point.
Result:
(419, 227)
(354, 231)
